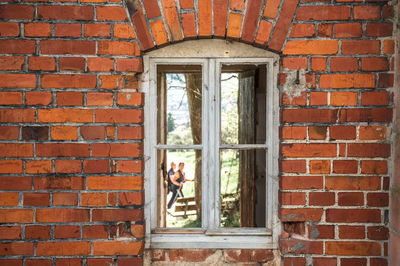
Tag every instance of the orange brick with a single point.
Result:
(94, 199)
(129, 64)
(64, 133)
(72, 63)
(11, 62)
(323, 12)
(67, 231)
(38, 167)
(10, 98)
(69, 98)
(372, 133)
(115, 182)
(10, 29)
(130, 166)
(99, 99)
(264, 32)
(10, 232)
(62, 215)
(67, 166)
(295, 63)
(348, 30)
(302, 30)
(388, 46)
(320, 167)
(301, 182)
(308, 150)
(350, 47)
(37, 29)
(318, 63)
(64, 248)
(111, 13)
(313, 47)
(317, 132)
(68, 30)
(65, 199)
(17, 80)
(361, 248)
(123, 31)
(10, 166)
(338, 81)
(318, 98)
(344, 64)
(95, 231)
(205, 17)
(69, 81)
(98, 30)
(119, 116)
(100, 64)
(374, 167)
(118, 48)
(235, 25)
(158, 30)
(130, 98)
(42, 63)
(9, 199)
(352, 183)
(342, 132)
(345, 166)
(130, 132)
(343, 98)
(271, 8)
(293, 166)
(189, 25)
(65, 115)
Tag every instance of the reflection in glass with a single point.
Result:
(180, 207)
(242, 193)
(179, 105)
(243, 98)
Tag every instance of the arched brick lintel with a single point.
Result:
(160, 23)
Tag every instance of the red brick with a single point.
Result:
(11, 62)
(94, 231)
(374, 64)
(300, 215)
(264, 31)
(385, 80)
(98, 30)
(348, 30)
(379, 29)
(37, 167)
(372, 133)
(388, 11)
(375, 98)
(94, 199)
(65, 12)
(37, 232)
(351, 199)
(62, 215)
(300, 100)
(323, 13)
(318, 63)
(344, 64)
(72, 63)
(352, 183)
(36, 199)
(10, 166)
(353, 215)
(205, 18)
(308, 150)
(16, 216)
(99, 261)
(367, 12)
(117, 247)
(65, 115)
(16, 150)
(343, 98)
(339, 81)
(59, 183)
(292, 198)
(96, 166)
(345, 166)
(99, 99)
(130, 166)
(351, 232)
(187, 4)
(68, 30)
(9, 199)
(322, 198)
(67, 166)
(350, 47)
(313, 47)
(293, 166)
(388, 46)
(109, 215)
(68, 262)
(117, 150)
(10, 98)
(65, 248)
(130, 198)
(119, 116)
(100, 64)
(9, 132)
(282, 25)
(378, 262)
(123, 31)
(378, 199)
(353, 261)
(152, 9)
(75, 47)
(318, 98)
(38, 98)
(92, 132)
(129, 64)
(320, 166)
(294, 132)
(130, 98)
(321, 232)
(111, 13)
(374, 167)
(17, 80)
(16, 248)
(302, 30)
(142, 31)
(317, 132)
(65, 199)
(378, 233)
(309, 115)
(68, 81)
(237, 4)
(271, 8)
(37, 29)
(16, 12)
(15, 183)
(69, 98)
(220, 16)
(325, 30)
(67, 231)
(324, 261)
(10, 29)
(368, 150)
(189, 25)
(342, 132)
(118, 48)
(17, 46)
(366, 115)
(61, 149)
(114, 182)
(353, 248)
(10, 232)
(42, 63)
(301, 182)
(294, 261)
(251, 20)
(295, 63)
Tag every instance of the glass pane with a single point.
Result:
(179, 195)
(242, 184)
(179, 104)
(243, 104)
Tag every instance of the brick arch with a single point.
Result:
(159, 23)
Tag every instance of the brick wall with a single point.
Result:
(71, 125)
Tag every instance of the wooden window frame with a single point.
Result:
(211, 54)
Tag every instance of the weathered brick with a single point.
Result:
(16, 248)
(67, 166)
(9, 132)
(62, 215)
(123, 31)
(152, 9)
(323, 13)
(321, 198)
(16, 12)
(98, 30)
(64, 248)
(17, 80)
(350, 47)
(36, 199)
(10, 29)
(38, 167)
(17, 46)
(372, 133)
(118, 48)
(67, 231)
(68, 30)
(42, 63)
(379, 29)
(65, 12)
(64, 133)
(37, 232)
(100, 64)
(11, 62)
(62, 149)
(351, 199)
(75, 47)
(72, 63)
(68, 81)
(117, 247)
(65, 199)
(353, 248)
(353, 215)
(37, 29)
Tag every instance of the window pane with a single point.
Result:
(179, 207)
(243, 104)
(242, 186)
(179, 104)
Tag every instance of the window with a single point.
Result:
(211, 112)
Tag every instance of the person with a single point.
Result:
(177, 183)
(170, 176)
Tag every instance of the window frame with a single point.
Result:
(210, 236)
